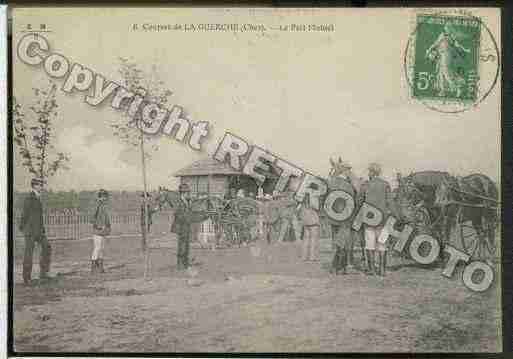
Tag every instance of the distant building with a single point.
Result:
(209, 176)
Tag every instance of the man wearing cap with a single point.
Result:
(184, 217)
(376, 192)
(102, 227)
(32, 226)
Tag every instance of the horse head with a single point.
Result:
(338, 168)
(406, 190)
(408, 196)
(160, 198)
(165, 196)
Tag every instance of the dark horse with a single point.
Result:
(443, 201)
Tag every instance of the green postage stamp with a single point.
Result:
(446, 63)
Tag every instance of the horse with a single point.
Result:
(235, 219)
(442, 202)
(163, 198)
(167, 199)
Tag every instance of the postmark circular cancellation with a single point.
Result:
(451, 61)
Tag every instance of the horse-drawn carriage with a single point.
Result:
(233, 222)
(452, 209)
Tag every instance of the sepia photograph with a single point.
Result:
(256, 180)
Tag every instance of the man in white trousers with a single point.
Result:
(102, 227)
(376, 192)
(309, 218)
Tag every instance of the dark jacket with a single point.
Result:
(31, 223)
(377, 192)
(101, 220)
(184, 217)
(344, 184)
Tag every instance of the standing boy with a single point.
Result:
(102, 227)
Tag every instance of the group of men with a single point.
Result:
(32, 226)
(375, 191)
(306, 222)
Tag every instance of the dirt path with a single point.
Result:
(252, 300)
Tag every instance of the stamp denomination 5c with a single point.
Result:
(446, 57)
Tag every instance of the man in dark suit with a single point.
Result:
(184, 217)
(32, 226)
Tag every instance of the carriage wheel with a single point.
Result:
(468, 234)
(422, 219)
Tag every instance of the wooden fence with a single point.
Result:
(69, 224)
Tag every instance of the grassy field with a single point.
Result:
(260, 298)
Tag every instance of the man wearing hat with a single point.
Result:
(340, 178)
(32, 226)
(376, 191)
(184, 217)
(102, 227)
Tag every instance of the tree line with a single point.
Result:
(82, 201)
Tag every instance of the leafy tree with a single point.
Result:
(34, 134)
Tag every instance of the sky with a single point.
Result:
(304, 96)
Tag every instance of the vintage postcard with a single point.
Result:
(256, 180)
(3, 170)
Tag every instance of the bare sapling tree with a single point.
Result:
(129, 128)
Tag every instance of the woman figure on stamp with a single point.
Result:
(441, 52)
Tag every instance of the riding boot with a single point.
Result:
(380, 262)
(94, 266)
(335, 262)
(381, 268)
(344, 261)
(384, 263)
(100, 266)
(333, 267)
(370, 262)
